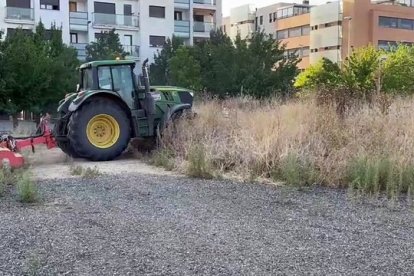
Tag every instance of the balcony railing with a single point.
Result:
(205, 2)
(182, 26)
(115, 19)
(78, 18)
(203, 27)
(19, 13)
(81, 48)
(132, 50)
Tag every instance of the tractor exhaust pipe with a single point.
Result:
(145, 75)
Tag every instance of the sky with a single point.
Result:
(228, 4)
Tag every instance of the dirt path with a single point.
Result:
(52, 164)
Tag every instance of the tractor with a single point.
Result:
(111, 106)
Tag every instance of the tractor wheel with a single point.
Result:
(99, 130)
(67, 149)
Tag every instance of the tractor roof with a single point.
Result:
(106, 62)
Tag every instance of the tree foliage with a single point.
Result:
(36, 70)
(160, 72)
(324, 72)
(107, 47)
(255, 67)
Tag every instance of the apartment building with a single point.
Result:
(142, 25)
(293, 30)
(334, 29)
(241, 21)
(339, 27)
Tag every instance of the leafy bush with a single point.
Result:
(163, 158)
(198, 164)
(27, 189)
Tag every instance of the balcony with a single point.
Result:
(203, 4)
(182, 28)
(203, 29)
(132, 50)
(81, 48)
(19, 15)
(106, 20)
(78, 21)
(182, 4)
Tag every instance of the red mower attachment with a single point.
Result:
(10, 147)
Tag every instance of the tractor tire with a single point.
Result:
(99, 130)
(67, 149)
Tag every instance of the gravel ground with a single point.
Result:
(169, 225)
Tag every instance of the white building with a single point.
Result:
(142, 25)
(240, 21)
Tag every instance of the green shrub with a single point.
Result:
(295, 172)
(27, 189)
(163, 158)
(198, 163)
(374, 175)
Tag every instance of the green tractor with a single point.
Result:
(111, 106)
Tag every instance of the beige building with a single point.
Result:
(241, 21)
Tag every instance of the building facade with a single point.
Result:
(142, 25)
(334, 29)
(240, 22)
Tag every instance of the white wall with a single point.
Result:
(269, 27)
(154, 26)
(60, 18)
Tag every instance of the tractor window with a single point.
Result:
(105, 79)
(87, 80)
(123, 80)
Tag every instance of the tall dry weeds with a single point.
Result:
(246, 137)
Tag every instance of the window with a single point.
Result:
(18, 4)
(388, 22)
(261, 20)
(157, 41)
(305, 30)
(104, 78)
(87, 79)
(270, 18)
(107, 8)
(178, 16)
(294, 32)
(156, 11)
(73, 38)
(49, 4)
(73, 6)
(282, 34)
(274, 16)
(122, 80)
(405, 24)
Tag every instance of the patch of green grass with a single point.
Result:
(295, 172)
(198, 163)
(91, 172)
(376, 175)
(27, 189)
(85, 173)
(76, 170)
(163, 158)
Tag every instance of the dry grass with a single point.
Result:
(299, 142)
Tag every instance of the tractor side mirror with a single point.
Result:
(77, 87)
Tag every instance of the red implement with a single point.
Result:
(10, 147)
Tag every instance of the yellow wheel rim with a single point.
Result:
(103, 131)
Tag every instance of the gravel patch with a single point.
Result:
(169, 225)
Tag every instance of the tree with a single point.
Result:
(324, 72)
(160, 73)
(106, 47)
(397, 71)
(37, 70)
(185, 70)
